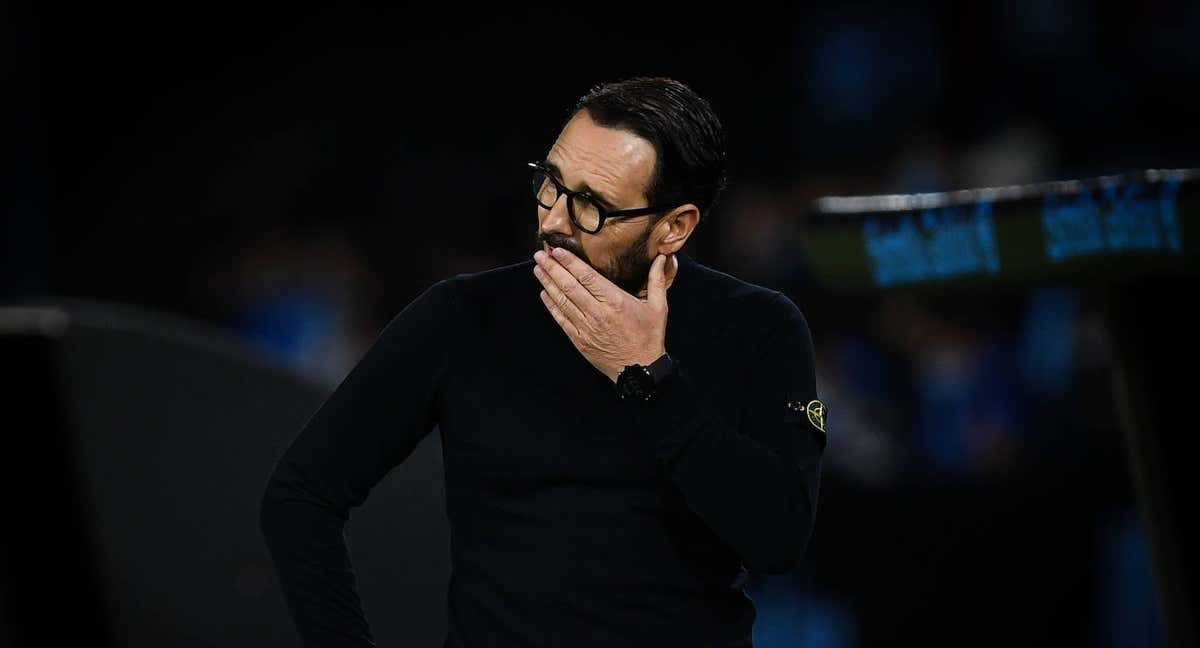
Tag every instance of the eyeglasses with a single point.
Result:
(587, 214)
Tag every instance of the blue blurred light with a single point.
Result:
(1123, 219)
(948, 242)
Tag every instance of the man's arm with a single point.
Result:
(756, 487)
(371, 423)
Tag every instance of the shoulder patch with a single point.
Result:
(815, 410)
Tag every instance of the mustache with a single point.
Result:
(558, 240)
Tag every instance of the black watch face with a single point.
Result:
(638, 384)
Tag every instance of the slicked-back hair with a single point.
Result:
(688, 139)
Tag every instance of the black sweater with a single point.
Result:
(576, 518)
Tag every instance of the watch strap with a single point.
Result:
(662, 368)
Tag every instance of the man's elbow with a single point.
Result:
(275, 509)
(288, 505)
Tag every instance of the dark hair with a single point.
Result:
(688, 139)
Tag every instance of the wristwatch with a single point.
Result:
(641, 383)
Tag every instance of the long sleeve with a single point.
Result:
(374, 419)
(755, 485)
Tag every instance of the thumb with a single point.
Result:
(656, 287)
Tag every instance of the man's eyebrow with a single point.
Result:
(608, 204)
(553, 168)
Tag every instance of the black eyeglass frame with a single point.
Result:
(605, 214)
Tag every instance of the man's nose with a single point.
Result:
(557, 219)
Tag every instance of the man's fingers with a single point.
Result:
(559, 297)
(593, 282)
(567, 326)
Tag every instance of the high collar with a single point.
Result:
(688, 279)
(690, 300)
(687, 268)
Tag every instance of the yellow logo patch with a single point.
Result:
(816, 414)
(815, 410)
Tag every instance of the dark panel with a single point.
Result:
(165, 436)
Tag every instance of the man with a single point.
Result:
(611, 472)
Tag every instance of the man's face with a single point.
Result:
(613, 165)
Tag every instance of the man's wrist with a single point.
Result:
(644, 383)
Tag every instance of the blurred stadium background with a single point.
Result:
(216, 209)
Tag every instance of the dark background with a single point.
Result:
(293, 177)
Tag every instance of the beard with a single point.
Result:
(630, 268)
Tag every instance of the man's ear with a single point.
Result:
(676, 227)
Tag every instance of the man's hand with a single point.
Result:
(610, 327)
